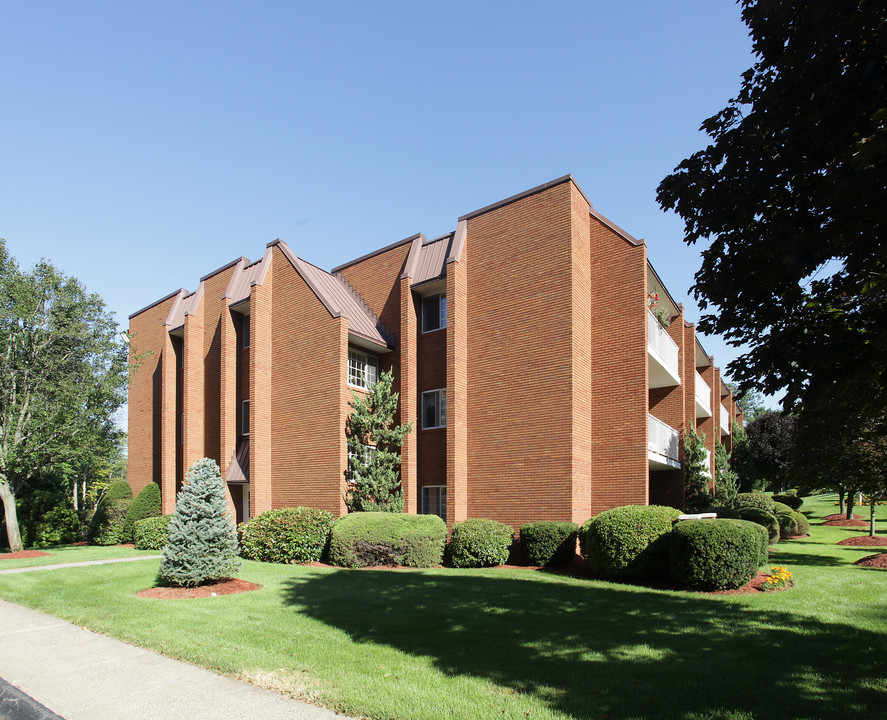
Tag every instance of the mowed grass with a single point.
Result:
(516, 643)
(73, 553)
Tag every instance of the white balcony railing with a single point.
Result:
(707, 471)
(663, 354)
(725, 421)
(663, 443)
(703, 398)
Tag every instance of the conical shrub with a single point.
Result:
(202, 535)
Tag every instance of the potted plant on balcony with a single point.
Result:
(660, 313)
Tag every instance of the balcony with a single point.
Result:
(662, 353)
(663, 443)
(725, 421)
(703, 398)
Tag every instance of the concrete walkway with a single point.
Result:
(81, 675)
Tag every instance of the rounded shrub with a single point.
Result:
(793, 501)
(59, 526)
(583, 535)
(723, 512)
(477, 542)
(713, 554)
(145, 505)
(755, 499)
(152, 533)
(791, 523)
(365, 539)
(760, 532)
(779, 507)
(763, 518)
(287, 535)
(549, 542)
(119, 490)
(629, 542)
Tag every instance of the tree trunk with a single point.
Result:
(872, 504)
(12, 531)
(75, 496)
(840, 502)
(851, 496)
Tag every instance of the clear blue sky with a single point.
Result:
(144, 145)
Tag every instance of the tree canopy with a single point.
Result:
(63, 375)
(766, 458)
(789, 198)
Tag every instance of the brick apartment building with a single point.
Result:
(539, 383)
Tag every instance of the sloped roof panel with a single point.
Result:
(245, 276)
(433, 259)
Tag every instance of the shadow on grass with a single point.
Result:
(595, 650)
(790, 557)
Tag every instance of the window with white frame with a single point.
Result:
(244, 332)
(434, 312)
(244, 417)
(434, 500)
(363, 369)
(434, 409)
(359, 461)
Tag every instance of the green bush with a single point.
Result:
(364, 539)
(763, 518)
(791, 523)
(761, 532)
(286, 535)
(202, 543)
(119, 490)
(779, 507)
(106, 525)
(629, 542)
(583, 535)
(723, 512)
(756, 499)
(793, 501)
(480, 543)
(549, 542)
(145, 505)
(713, 554)
(152, 533)
(59, 526)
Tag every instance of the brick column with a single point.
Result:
(168, 419)
(260, 397)
(457, 391)
(228, 390)
(193, 390)
(407, 387)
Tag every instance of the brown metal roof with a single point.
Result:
(238, 468)
(184, 305)
(341, 300)
(245, 276)
(432, 261)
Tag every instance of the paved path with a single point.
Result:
(84, 563)
(81, 675)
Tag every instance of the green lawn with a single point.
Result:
(75, 553)
(516, 643)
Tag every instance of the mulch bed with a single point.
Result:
(840, 516)
(225, 586)
(874, 561)
(847, 523)
(864, 541)
(755, 585)
(23, 555)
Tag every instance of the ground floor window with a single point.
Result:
(434, 500)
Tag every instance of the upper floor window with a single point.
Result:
(363, 369)
(359, 462)
(244, 332)
(434, 409)
(434, 312)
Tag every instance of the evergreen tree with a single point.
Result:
(202, 535)
(726, 481)
(146, 504)
(374, 444)
(696, 494)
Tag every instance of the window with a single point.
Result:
(363, 369)
(434, 312)
(358, 461)
(244, 417)
(434, 409)
(434, 500)
(244, 332)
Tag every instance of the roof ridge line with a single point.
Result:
(380, 326)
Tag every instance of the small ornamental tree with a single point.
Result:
(726, 481)
(202, 535)
(696, 480)
(374, 444)
(145, 505)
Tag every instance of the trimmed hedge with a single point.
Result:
(723, 512)
(793, 501)
(364, 539)
(763, 537)
(763, 518)
(583, 536)
(630, 541)
(286, 535)
(792, 524)
(549, 542)
(145, 505)
(152, 533)
(755, 499)
(479, 543)
(713, 554)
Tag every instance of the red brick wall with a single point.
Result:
(619, 397)
(458, 318)
(193, 391)
(309, 402)
(261, 393)
(408, 383)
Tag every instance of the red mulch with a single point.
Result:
(225, 586)
(840, 516)
(875, 561)
(23, 555)
(847, 523)
(756, 584)
(864, 540)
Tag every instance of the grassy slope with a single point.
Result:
(515, 643)
(74, 553)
